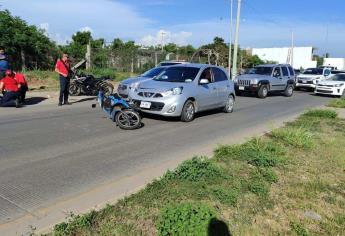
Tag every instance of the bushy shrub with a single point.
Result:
(185, 219)
(196, 169)
(321, 113)
(227, 196)
(75, 223)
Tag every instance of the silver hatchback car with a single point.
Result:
(183, 90)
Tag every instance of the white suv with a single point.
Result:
(332, 86)
(311, 77)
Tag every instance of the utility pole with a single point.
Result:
(234, 63)
(88, 56)
(163, 34)
(230, 41)
(292, 46)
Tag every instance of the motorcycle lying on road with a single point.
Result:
(118, 110)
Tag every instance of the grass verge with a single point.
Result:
(289, 182)
(337, 103)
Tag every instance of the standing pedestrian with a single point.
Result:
(3, 63)
(63, 68)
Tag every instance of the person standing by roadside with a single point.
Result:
(3, 63)
(63, 68)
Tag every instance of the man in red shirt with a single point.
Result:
(23, 85)
(63, 68)
(10, 88)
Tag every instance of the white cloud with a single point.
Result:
(165, 37)
(86, 29)
(45, 28)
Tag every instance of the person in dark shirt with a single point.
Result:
(3, 63)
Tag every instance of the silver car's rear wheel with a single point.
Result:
(229, 107)
(188, 111)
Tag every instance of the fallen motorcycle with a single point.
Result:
(118, 110)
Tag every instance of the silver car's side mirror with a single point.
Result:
(204, 81)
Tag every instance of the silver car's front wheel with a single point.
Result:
(188, 111)
(229, 107)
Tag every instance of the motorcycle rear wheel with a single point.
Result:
(107, 87)
(74, 89)
(128, 119)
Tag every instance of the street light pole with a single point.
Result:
(234, 63)
(230, 41)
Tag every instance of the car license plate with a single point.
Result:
(146, 105)
(304, 81)
(241, 88)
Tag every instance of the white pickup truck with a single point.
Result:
(311, 77)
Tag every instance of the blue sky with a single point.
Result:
(264, 23)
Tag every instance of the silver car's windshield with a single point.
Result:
(313, 71)
(153, 72)
(338, 77)
(262, 70)
(178, 74)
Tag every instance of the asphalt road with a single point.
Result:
(48, 153)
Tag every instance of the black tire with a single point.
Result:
(288, 92)
(128, 119)
(188, 111)
(74, 89)
(229, 107)
(238, 93)
(263, 91)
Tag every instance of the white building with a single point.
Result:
(302, 56)
(338, 63)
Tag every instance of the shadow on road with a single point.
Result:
(34, 100)
(84, 100)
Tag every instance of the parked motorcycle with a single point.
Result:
(89, 85)
(126, 116)
(83, 84)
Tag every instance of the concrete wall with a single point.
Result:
(339, 63)
(302, 56)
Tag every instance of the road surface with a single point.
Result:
(50, 154)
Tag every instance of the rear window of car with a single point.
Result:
(219, 75)
(285, 71)
(292, 72)
(169, 63)
(178, 74)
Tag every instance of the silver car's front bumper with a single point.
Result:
(305, 85)
(165, 106)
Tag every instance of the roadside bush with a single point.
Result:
(268, 174)
(258, 186)
(321, 113)
(75, 224)
(196, 169)
(185, 219)
(296, 137)
(298, 229)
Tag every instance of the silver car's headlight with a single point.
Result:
(134, 85)
(174, 91)
(254, 81)
(338, 85)
(235, 81)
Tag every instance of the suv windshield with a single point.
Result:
(178, 74)
(169, 63)
(153, 72)
(313, 71)
(338, 77)
(262, 70)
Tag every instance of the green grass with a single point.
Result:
(337, 103)
(261, 187)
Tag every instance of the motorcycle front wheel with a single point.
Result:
(74, 89)
(128, 119)
(107, 87)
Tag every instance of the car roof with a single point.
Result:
(196, 65)
(271, 65)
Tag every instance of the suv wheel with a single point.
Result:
(188, 111)
(229, 107)
(263, 91)
(288, 90)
